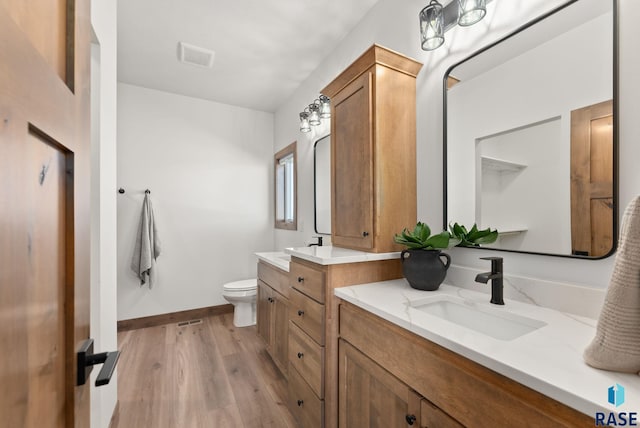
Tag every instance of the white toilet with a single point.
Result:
(242, 295)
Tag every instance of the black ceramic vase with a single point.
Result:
(425, 269)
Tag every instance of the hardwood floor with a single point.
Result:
(201, 375)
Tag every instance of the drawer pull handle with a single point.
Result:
(300, 313)
(300, 355)
(300, 403)
(411, 419)
(300, 279)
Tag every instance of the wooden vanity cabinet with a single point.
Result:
(372, 397)
(454, 390)
(373, 150)
(313, 333)
(272, 316)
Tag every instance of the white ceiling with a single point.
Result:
(263, 49)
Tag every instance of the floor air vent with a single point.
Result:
(191, 322)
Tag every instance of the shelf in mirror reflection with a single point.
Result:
(511, 231)
(500, 165)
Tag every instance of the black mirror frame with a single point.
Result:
(616, 121)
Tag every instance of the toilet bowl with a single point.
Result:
(242, 295)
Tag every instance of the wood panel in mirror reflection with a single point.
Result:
(530, 135)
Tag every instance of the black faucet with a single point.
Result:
(319, 243)
(496, 279)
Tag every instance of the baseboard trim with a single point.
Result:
(162, 319)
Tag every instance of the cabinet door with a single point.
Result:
(433, 417)
(264, 311)
(280, 333)
(352, 165)
(370, 396)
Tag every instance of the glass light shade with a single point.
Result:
(325, 107)
(432, 26)
(314, 114)
(471, 11)
(304, 122)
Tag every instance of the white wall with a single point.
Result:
(209, 168)
(535, 198)
(103, 201)
(394, 24)
(548, 81)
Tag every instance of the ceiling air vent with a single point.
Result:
(195, 55)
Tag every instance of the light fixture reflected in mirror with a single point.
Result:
(432, 26)
(471, 11)
(435, 19)
(314, 113)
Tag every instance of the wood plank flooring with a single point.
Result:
(201, 375)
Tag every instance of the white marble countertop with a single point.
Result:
(276, 258)
(329, 255)
(548, 360)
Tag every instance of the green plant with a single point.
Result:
(421, 239)
(473, 237)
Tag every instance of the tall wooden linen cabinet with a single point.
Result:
(373, 150)
(373, 135)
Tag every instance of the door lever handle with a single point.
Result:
(87, 359)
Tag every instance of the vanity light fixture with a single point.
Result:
(436, 19)
(471, 11)
(304, 122)
(314, 113)
(432, 26)
(325, 107)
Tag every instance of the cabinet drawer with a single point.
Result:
(307, 357)
(308, 281)
(305, 406)
(433, 417)
(274, 277)
(308, 315)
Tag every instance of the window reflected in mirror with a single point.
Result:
(285, 191)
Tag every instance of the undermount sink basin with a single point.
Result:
(493, 322)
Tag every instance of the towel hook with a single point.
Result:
(121, 190)
(147, 191)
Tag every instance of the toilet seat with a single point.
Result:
(244, 285)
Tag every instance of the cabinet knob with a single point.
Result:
(270, 299)
(300, 313)
(300, 279)
(410, 419)
(300, 403)
(365, 234)
(300, 355)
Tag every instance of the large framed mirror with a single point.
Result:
(530, 135)
(322, 185)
